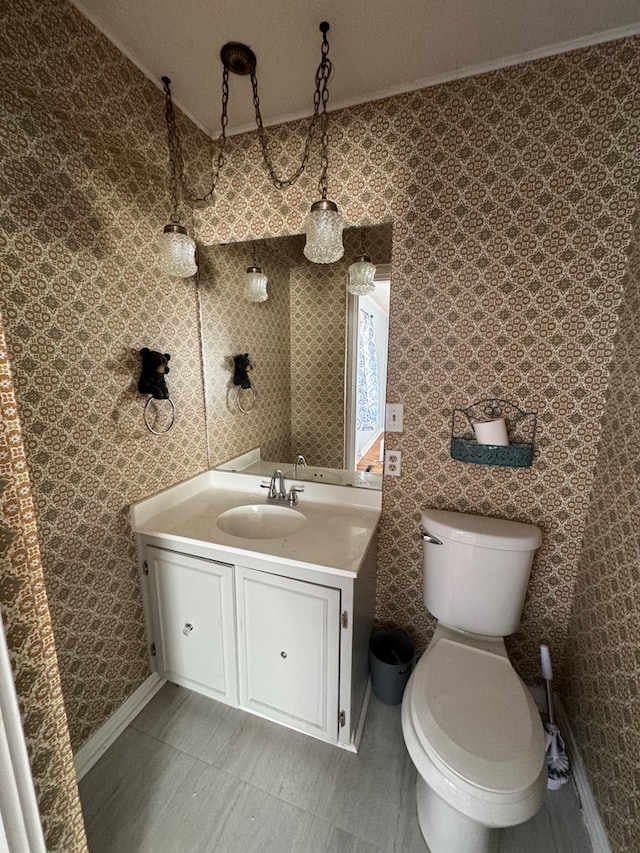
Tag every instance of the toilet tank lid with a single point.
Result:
(481, 530)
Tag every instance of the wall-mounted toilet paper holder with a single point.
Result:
(520, 426)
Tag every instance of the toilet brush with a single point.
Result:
(556, 757)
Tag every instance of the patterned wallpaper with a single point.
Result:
(27, 624)
(603, 657)
(511, 197)
(84, 198)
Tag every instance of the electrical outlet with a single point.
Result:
(392, 463)
(394, 421)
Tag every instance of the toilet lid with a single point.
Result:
(470, 708)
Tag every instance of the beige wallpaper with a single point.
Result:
(511, 197)
(27, 625)
(83, 196)
(603, 648)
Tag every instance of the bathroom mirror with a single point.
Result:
(318, 355)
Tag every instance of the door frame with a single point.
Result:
(20, 826)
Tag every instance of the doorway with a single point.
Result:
(366, 375)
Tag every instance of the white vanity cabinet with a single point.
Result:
(273, 621)
(289, 650)
(193, 622)
(293, 649)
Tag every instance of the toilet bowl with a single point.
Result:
(474, 736)
(470, 726)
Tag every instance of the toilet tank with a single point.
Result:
(476, 578)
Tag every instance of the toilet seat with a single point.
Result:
(474, 718)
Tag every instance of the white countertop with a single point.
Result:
(341, 521)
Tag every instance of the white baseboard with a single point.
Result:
(370, 444)
(591, 816)
(590, 813)
(99, 742)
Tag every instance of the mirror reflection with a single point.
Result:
(318, 356)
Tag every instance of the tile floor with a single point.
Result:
(192, 775)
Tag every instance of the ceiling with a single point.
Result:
(378, 47)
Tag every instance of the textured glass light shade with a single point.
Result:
(361, 276)
(323, 227)
(255, 285)
(177, 252)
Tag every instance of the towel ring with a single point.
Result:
(146, 416)
(251, 395)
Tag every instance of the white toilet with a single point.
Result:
(470, 726)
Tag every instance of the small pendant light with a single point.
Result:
(255, 282)
(361, 273)
(323, 225)
(177, 249)
(177, 252)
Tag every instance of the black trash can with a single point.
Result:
(391, 658)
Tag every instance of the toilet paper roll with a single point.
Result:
(492, 432)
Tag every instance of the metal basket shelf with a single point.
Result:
(521, 428)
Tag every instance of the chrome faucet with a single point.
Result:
(278, 490)
(298, 460)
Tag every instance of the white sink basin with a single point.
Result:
(261, 521)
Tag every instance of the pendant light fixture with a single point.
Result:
(177, 252)
(361, 273)
(323, 224)
(177, 249)
(255, 283)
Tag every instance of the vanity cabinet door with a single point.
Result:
(288, 650)
(194, 622)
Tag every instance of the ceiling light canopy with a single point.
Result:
(323, 224)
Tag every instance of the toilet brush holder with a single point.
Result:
(558, 767)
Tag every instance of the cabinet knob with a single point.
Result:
(188, 628)
(283, 654)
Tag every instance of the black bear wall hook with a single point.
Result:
(154, 368)
(241, 369)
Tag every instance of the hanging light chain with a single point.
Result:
(175, 150)
(324, 150)
(176, 157)
(320, 117)
(320, 101)
(363, 250)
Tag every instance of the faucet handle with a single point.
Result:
(292, 497)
